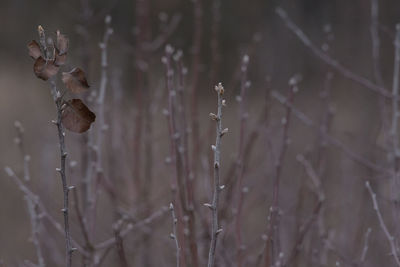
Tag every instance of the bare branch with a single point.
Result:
(327, 59)
(215, 230)
(389, 237)
(174, 234)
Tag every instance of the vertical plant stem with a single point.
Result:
(187, 172)
(273, 245)
(61, 170)
(174, 234)
(239, 161)
(215, 230)
(63, 154)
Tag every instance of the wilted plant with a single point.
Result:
(72, 114)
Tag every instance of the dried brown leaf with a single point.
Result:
(62, 43)
(59, 60)
(76, 116)
(75, 80)
(44, 69)
(34, 49)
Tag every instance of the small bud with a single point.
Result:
(107, 19)
(219, 231)
(72, 187)
(246, 59)
(213, 147)
(213, 116)
(224, 131)
(208, 205)
(73, 249)
(58, 170)
(171, 206)
(221, 187)
(224, 102)
(169, 49)
(9, 171)
(172, 236)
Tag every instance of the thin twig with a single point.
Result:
(43, 211)
(63, 154)
(382, 224)
(215, 230)
(366, 246)
(119, 243)
(395, 104)
(174, 234)
(245, 84)
(273, 242)
(132, 226)
(330, 139)
(327, 59)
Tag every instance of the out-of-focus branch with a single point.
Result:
(243, 115)
(383, 226)
(366, 246)
(272, 247)
(174, 234)
(130, 227)
(43, 211)
(329, 60)
(330, 139)
(119, 243)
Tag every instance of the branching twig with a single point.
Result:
(327, 59)
(273, 242)
(131, 226)
(119, 243)
(330, 139)
(383, 226)
(215, 230)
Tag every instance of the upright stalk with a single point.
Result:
(215, 230)
(63, 154)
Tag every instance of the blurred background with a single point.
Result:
(321, 138)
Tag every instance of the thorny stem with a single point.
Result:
(389, 237)
(215, 230)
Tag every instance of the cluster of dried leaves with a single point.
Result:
(76, 116)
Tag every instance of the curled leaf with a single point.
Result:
(61, 48)
(34, 49)
(62, 43)
(75, 80)
(59, 60)
(44, 69)
(76, 116)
